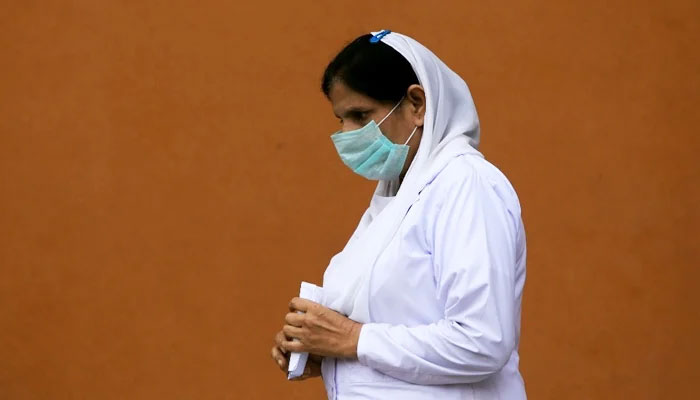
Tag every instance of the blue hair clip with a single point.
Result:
(379, 36)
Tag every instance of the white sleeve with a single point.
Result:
(474, 242)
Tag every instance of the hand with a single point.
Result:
(281, 357)
(312, 368)
(319, 330)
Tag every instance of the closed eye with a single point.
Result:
(358, 116)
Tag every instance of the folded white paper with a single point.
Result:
(297, 361)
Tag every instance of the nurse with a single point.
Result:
(424, 300)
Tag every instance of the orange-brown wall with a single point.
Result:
(167, 180)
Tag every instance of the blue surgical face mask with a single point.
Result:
(369, 153)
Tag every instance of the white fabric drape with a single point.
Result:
(451, 128)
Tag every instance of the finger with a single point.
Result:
(281, 338)
(299, 304)
(294, 346)
(294, 319)
(293, 331)
(279, 358)
(277, 354)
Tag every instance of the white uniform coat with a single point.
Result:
(444, 297)
(435, 269)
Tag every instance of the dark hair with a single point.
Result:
(373, 69)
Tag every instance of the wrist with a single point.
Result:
(353, 339)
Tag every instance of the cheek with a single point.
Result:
(390, 131)
(397, 130)
(350, 126)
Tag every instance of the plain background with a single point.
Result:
(167, 179)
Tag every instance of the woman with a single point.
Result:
(424, 300)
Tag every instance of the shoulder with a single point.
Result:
(472, 175)
(470, 193)
(469, 169)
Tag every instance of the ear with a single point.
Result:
(416, 99)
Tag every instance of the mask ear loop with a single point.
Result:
(409, 138)
(392, 110)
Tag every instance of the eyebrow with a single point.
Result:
(357, 109)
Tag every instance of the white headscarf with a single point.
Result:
(451, 128)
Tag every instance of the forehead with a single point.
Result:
(343, 99)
